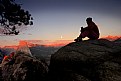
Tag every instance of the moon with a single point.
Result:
(61, 37)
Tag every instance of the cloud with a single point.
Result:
(52, 43)
(29, 34)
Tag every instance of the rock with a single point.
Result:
(1, 79)
(91, 60)
(23, 67)
(1, 55)
(118, 41)
(109, 71)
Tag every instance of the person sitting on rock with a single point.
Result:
(91, 31)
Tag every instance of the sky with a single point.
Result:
(62, 19)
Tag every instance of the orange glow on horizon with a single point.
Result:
(58, 43)
(112, 38)
(52, 43)
(14, 47)
(22, 43)
(33, 43)
(49, 43)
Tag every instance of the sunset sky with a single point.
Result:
(62, 19)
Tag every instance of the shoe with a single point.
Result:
(78, 39)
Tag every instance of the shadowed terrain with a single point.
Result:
(90, 60)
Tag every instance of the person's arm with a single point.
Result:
(91, 26)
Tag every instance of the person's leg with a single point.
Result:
(78, 39)
(92, 35)
(82, 35)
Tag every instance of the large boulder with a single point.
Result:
(91, 60)
(1, 79)
(23, 67)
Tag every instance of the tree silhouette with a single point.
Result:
(13, 17)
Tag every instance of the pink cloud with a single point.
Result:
(112, 38)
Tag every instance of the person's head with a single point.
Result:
(88, 20)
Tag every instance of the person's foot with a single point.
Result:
(78, 39)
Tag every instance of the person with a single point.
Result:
(91, 31)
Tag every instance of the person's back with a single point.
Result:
(94, 31)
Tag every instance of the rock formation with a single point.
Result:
(24, 68)
(91, 60)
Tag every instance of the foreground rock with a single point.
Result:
(1, 79)
(94, 60)
(23, 67)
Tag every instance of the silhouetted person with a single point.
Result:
(91, 31)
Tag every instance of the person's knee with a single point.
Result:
(84, 34)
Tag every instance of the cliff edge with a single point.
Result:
(91, 60)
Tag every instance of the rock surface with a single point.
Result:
(24, 68)
(92, 60)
